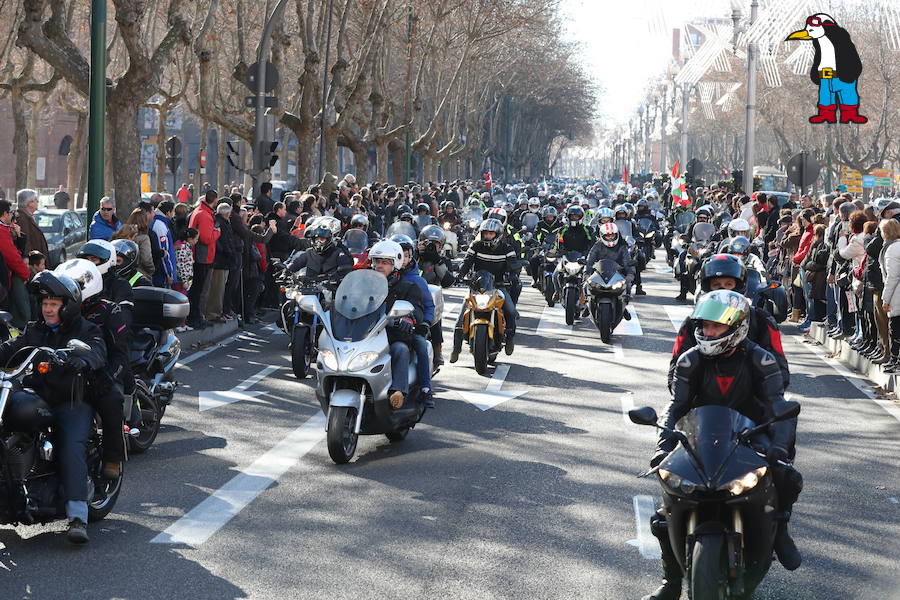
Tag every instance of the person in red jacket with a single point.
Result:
(806, 241)
(203, 220)
(17, 271)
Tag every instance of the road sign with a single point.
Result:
(203, 158)
(268, 101)
(868, 181)
(271, 77)
(803, 169)
(173, 146)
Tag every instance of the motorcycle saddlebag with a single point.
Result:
(159, 308)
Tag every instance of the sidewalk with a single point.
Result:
(196, 339)
(854, 360)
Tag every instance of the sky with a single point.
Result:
(628, 43)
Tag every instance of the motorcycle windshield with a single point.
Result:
(607, 268)
(703, 231)
(573, 256)
(401, 228)
(684, 220)
(473, 214)
(645, 224)
(530, 221)
(711, 431)
(625, 229)
(357, 241)
(358, 304)
(423, 221)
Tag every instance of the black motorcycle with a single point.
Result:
(570, 273)
(646, 238)
(545, 277)
(155, 350)
(30, 486)
(719, 499)
(692, 258)
(303, 327)
(606, 302)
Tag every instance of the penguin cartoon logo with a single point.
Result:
(836, 68)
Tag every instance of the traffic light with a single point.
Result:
(233, 155)
(173, 153)
(267, 153)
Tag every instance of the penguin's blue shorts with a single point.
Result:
(846, 93)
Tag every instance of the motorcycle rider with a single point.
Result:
(493, 254)
(409, 271)
(575, 235)
(727, 272)
(361, 221)
(325, 256)
(60, 321)
(514, 238)
(436, 269)
(115, 288)
(546, 234)
(448, 214)
(612, 247)
(387, 257)
(106, 393)
(704, 215)
(740, 246)
(728, 369)
(126, 264)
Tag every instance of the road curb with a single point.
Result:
(191, 340)
(854, 360)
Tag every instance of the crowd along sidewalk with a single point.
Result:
(841, 350)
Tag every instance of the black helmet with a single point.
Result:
(421, 206)
(574, 215)
(405, 216)
(549, 213)
(642, 206)
(128, 250)
(404, 208)
(405, 241)
(433, 234)
(739, 246)
(447, 205)
(48, 284)
(322, 238)
(723, 265)
(359, 221)
(356, 241)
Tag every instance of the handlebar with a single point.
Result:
(57, 356)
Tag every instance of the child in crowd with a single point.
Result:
(184, 263)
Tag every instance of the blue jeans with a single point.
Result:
(72, 422)
(423, 362)
(846, 93)
(400, 367)
(830, 306)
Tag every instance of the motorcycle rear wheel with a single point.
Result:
(571, 304)
(102, 501)
(151, 417)
(301, 356)
(341, 437)
(709, 580)
(480, 349)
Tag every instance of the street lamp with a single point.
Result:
(750, 129)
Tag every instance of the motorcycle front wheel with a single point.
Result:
(480, 349)
(605, 322)
(571, 304)
(548, 290)
(709, 579)
(341, 436)
(301, 356)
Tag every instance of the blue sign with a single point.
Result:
(868, 181)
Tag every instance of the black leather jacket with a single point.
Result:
(496, 260)
(618, 253)
(319, 264)
(110, 318)
(748, 381)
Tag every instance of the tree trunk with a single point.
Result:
(20, 136)
(306, 143)
(200, 173)
(161, 149)
(76, 152)
(283, 154)
(331, 152)
(381, 161)
(399, 166)
(361, 158)
(33, 127)
(125, 152)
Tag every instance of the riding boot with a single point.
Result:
(672, 575)
(827, 114)
(785, 548)
(640, 291)
(457, 344)
(438, 355)
(850, 114)
(509, 343)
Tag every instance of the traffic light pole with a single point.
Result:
(97, 108)
(259, 132)
(750, 133)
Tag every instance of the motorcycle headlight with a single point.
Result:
(362, 361)
(473, 223)
(618, 285)
(292, 294)
(745, 483)
(481, 301)
(328, 359)
(573, 268)
(447, 225)
(676, 483)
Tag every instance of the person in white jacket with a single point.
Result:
(890, 268)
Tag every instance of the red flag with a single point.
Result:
(625, 175)
(675, 169)
(488, 180)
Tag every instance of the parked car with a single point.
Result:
(65, 233)
(82, 214)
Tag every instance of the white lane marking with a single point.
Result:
(665, 269)
(451, 311)
(215, 399)
(893, 501)
(856, 380)
(205, 519)
(632, 327)
(492, 394)
(241, 335)
(553, 320)
(677, 315)
(617, 351)
(642, 432)
(273, 329)
(644, 507)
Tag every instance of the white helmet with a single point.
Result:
(387, 249)
(609, 234)
(85, 274)
(738, 227)
(103, 250)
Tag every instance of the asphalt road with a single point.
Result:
(533, 498)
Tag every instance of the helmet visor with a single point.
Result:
(712, 309)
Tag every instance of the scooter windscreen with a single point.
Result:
(683, 221)
(712, 432)
(530, 221)
(703, 231)
(423, 221)
(356, 241)
(401, 228)
(358, 304)
(472, 218)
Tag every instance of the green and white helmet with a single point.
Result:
(727, 308)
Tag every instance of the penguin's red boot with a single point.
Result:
(849, 114)
(827, 114)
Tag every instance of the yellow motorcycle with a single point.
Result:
(483, 323)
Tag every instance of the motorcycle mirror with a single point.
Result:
(6, 317)
(401, 308)
(78, 347)
(786, 409)
(643, 416)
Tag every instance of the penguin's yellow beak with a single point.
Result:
(799, 35)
